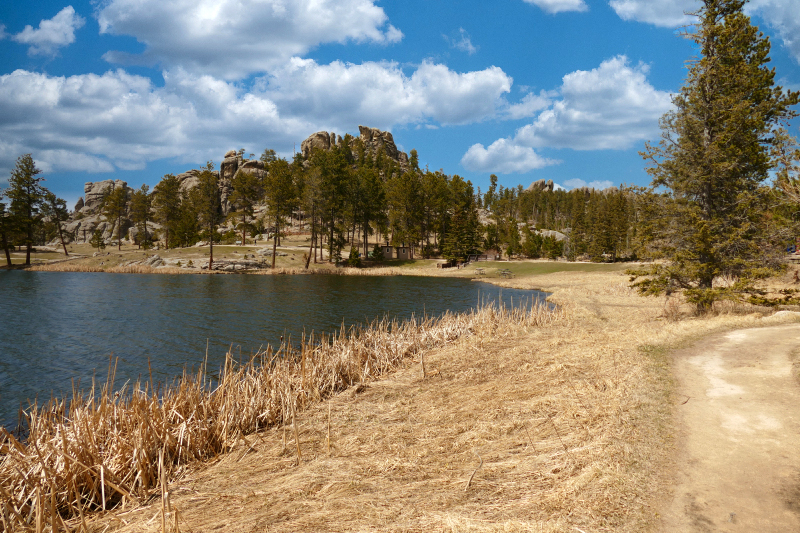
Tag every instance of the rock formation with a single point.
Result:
(541, 185)
(88, 218)
(373, 139)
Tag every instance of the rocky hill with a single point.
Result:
(87, 216)
(373, 139)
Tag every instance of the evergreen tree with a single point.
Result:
(55, 211)
(141, 206)
(26, 194)
(282, 198)
(206, 201)
(715, 154)
(115, 207)
(245, 194)
(167, 199)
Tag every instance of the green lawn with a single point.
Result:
(528, 268)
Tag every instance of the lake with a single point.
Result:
(56, 328)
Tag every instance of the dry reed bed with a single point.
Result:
(117, 448)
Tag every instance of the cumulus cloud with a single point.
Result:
(784, 16)
(665, 14)
(577, 183)
(231, 39)
(462, 42)
(781, 15)
(381, 94)
(530, 105)
(558, 6)
(51, 34)
(503, 156)
(117, 120)
(610, 107)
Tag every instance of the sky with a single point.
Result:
(562, 90)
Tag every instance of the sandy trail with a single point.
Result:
(739, 434)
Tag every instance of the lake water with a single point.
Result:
(59, 327)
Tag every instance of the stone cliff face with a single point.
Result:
(373, 139)
(87, 216)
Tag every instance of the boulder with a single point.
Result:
(320, 140)
(152, 229)
(79, 204)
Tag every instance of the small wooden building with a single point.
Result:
(491, 255)
(403, 252)
(388, 251)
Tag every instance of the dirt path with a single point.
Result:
(739, 434)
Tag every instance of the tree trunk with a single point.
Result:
(311, 244)
(211, 248)
(29, 245)
(5, 248)
(119, 232)
(275, 242)
(61, 236)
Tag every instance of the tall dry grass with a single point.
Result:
(107, 448)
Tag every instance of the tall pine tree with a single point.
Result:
(714, 156)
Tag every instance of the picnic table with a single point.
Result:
(505, 273)
(481, 271)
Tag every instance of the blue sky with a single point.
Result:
(566, 90)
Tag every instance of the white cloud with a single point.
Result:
(233, 38)
(558, 6)
(784, 16)
(463, 42)
(781, 15)
(669, 14)
(116, 120)
(52, 34)
(503, 156)
(382, 95)
(530, 105)
(577, 183)
(610, 107)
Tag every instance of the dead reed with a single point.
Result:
(109, 447)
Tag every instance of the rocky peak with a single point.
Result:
(373, 139)
(541, 185)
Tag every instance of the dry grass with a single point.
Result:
(119, 448)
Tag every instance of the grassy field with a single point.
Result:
(82, 258)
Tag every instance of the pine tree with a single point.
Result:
(115, 207)
(206, 200)
(167, 203)
(141, 205)
(26, 194)
(55, 210)
(281, 196)
(713, 159)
